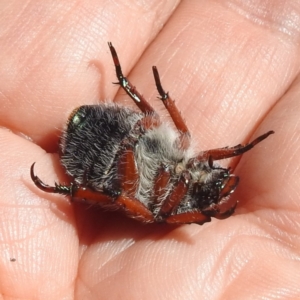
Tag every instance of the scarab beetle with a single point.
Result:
(128, 160)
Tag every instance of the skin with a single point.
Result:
(232, 68)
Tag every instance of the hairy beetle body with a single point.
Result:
(128, 160)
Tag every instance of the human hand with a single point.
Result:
(227, 65)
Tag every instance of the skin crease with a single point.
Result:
(232, 68)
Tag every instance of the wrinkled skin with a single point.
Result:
(232, 69)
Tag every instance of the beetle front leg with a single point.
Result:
(200, 217)
(171, 203)
(216, 212)
(188, 217)
(227, 152)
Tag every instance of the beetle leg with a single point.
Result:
(127, 172)
(73, 190)
(129, 177)
(226, 214)
(58, 188)
(200, 217)
(132, 92)
(227, 152)
(160, 185)
(188, 217)
(175, 197)
(132, 206)
(145, 107)
(216, 212)
(184, 138)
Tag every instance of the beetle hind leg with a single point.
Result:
(73, 190)
(57, 188)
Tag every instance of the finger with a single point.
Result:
(39, 243)
(54, 58)
(272, 172)
(224, 64)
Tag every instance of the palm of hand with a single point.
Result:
(226, 94)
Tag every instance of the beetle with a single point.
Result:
(131, 160)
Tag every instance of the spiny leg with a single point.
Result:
(128, 176)
(201, 217)
(188, 217)
(138, 99)
(221, 215)
(184, 139)
(161, 184)
(227, 152)
(135, 208)
(73, 190)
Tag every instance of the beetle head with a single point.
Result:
(216, 185)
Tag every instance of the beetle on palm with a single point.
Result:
(123, 159)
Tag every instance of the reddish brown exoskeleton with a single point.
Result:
(120, 158)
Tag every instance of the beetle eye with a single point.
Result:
(78, 118)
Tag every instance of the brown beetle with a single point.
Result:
(128, 160)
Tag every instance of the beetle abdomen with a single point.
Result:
(91, 140)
